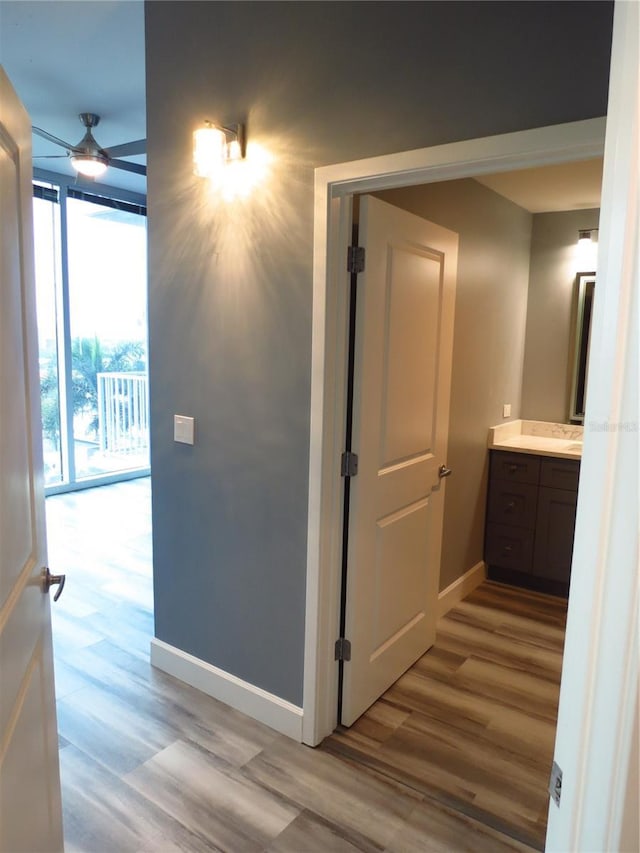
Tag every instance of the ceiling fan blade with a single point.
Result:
(55, 139)
(128, 167)
(127, 149)
(49, 156)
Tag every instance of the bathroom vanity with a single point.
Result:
(531, 504)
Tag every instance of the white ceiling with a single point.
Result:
(570, 186)
(70, 56)
(65, 57)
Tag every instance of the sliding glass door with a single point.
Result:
(46, 222)
(92, 295)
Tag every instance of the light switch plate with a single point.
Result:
(183, 429)
(506, 410)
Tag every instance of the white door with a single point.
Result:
(597, 733)
(402, 376)
(30, 811)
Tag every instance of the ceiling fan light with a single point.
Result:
(87, 157)
(90, 165)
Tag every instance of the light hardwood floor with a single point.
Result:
(472, 723)
(150, 764)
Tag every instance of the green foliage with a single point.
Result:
(50, 404)
(87, 360)
(86, 363)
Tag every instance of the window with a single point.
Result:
(92, 324)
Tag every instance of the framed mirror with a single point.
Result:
(585, 288)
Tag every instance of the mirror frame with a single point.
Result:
(585, 289)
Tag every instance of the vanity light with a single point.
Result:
(586, 235)
(214, 146)
(587, 250)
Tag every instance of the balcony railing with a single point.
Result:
(123, 412)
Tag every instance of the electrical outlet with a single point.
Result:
(506, 410)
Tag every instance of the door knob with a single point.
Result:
(443, 471)
(49, 580)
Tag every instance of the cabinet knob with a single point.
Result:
(510, 506)
(513, 468)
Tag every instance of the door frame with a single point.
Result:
(334, 189)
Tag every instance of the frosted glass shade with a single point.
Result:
(208, 151)
(90, 166)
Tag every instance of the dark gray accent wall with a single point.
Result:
(488, 345)
(230, 285)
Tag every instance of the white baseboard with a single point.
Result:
(461, 587)
(241, 695)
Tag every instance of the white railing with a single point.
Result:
(123, 412)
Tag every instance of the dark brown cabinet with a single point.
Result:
(531, 511)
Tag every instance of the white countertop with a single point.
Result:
(539, 438)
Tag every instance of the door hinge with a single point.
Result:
(343, 649)
(349, 464)
(555, 784)
(355, 259)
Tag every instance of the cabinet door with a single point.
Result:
(555, 524)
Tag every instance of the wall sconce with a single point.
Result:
(587, 254)
(214, 146)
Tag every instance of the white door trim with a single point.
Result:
(334, 189)
(598, 712)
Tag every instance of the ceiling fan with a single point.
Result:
(88, 158)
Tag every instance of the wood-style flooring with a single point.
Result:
(149, 764)
(472, 724)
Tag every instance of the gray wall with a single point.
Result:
(551, 314)
(230, 284)
(488, 348)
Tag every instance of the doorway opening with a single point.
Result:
(520, 255)
(581, 142)
(335, 188)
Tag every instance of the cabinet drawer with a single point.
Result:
(560, 474)
(513, 503)
(515, 467)
(509, 547)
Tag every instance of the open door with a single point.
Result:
(30, 808)
(597, 734)
(401, 386)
